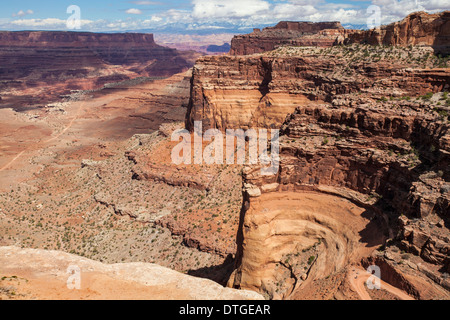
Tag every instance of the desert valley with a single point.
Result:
(87, 177)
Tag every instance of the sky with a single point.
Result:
(196, 16)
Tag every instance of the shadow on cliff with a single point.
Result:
(220, 273)
(376, 231)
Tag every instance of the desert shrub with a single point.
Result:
(427, 96)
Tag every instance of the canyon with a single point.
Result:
(363, 178)
(364, 160)
(37, 67)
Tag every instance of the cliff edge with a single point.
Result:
(44, 275)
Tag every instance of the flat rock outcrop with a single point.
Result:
(44, 275)
(419, 28)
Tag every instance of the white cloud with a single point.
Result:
(133, 11)
(156, 19)
(48, 24)
(39, 22)
(216, 14)
(289, 10)
(394, 10)
(22, 13)
(216, 9)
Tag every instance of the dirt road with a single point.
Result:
(358, 278)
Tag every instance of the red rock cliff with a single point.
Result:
(419, 28)
(259, 91)
(287, 33)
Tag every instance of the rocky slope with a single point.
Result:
(37, 67)
(363, 177)
(321, 34)
(44, 275)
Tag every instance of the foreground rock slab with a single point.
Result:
(42, 274)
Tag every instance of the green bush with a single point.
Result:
(427, 96)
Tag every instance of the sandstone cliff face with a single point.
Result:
(369, 156)
(292, 238)
(418, 28)
(62, 61)
(258, 87)
(363, 155)
(259, 91)
(321, 34)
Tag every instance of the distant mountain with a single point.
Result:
(201, 28)
(356, 26)
(223, 48)
(204, 29)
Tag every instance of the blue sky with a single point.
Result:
(197, 15)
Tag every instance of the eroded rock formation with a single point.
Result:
(322, 34)
(419, 28)
(259, 91)
(371, 161)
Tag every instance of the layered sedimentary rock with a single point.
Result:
(259, 91)
(419, 28)
(373, 163)
(323, 34)
(291, 238)
(115, 49)
(64, 61)
(365, 155)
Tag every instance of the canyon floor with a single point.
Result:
(67, 182)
